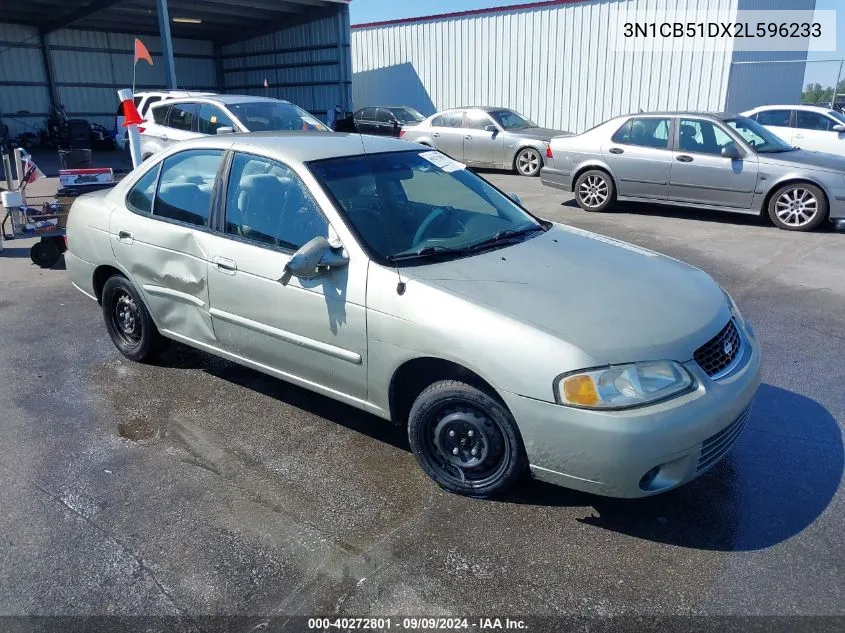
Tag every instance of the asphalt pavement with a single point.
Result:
(196, 487)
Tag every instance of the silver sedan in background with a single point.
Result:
(723, 162)
(496, 138)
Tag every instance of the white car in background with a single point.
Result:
(177, 120)
(143, 101)
(805, 126)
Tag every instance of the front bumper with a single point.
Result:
(611, 452)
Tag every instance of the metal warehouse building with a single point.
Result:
(79, 52)
(552, 62)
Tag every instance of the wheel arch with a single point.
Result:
(102, 274)
(414, 375)
(576, 174)
(793, 180)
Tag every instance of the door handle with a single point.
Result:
(225, 265)
(616, 150)
(436, 134)
(468, 137)
(684, 158)
(125, 237)
(799, 136)
(164, 137)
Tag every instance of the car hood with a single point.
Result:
(805, 158)
(615, 301)
(538, 133)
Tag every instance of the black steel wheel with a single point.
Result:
(44, 253)
(130, 325)
(466, 440)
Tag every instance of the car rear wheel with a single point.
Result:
(798, 207)
(128, 321)
(594, 190)
(528, 162)
(466, 440)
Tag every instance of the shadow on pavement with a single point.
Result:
(682, 213)
(777, 480)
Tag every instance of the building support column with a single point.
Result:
(166, 44)
(49, 68)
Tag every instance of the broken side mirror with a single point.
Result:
(315, 257)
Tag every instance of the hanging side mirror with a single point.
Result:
(314, 258)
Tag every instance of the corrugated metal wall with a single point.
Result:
(89, 67)
(552, 63)
(308, 64)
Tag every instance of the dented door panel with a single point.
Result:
(168, 263)
(313, 330)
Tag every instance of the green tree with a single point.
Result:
(815, 94)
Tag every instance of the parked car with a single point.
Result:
(143, 100)
(386, 120)
(497, 138)
(180, 119)
(391, 278)
(805, 126)
(723, 162)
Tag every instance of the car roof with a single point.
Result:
(301, 146)
(673, 113)
(221, 99)
(795, 106)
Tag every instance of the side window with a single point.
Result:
(186, 186)
(182, 116)
(477, 120)
(383, 116)
(779, 118)
(268, 203)
(814, 121)
(623, 134)
(449, 119)
(160, 114)
(703, 137)
(140, 197)
(149, 103)
(369, 114)
(211, 117)
(649, 132)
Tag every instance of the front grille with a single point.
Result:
(720, 351)
(715, 447)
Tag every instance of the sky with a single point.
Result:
(377, 10)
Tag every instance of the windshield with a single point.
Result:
(265, 116)
(510, 120)
(758, 137)
(407, 115)
(837, 115)
(410, 205)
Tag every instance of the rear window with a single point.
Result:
(160, 114)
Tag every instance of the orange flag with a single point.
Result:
(141, 52)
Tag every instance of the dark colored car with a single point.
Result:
(386, 120)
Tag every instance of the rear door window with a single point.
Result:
(183, 117)
(645, 132)
(159, 114)
(186, 186)
(449, 119)
(779, 118)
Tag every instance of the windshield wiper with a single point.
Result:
(428, 251)
(503, 236)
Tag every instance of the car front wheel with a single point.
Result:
(466, 440)
(594, 190)
(798, 207)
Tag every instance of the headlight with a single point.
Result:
(621, 386)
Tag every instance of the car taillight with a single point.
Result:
(401, 133)
(141, 129)
(549, 152)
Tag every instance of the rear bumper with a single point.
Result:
(81, 274)
(557, 178)
(613, 453)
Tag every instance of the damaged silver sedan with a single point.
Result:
(391, 278)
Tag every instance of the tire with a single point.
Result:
(798, 207)
(451, 416)
(44, 253)
(594, 190)
(528, 162)
(128, 321)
